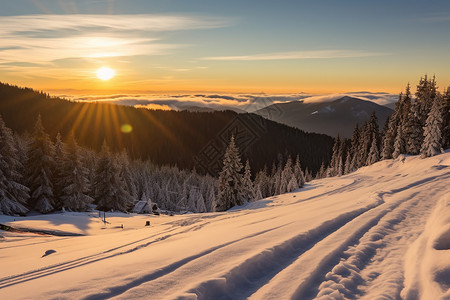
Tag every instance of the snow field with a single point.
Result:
(380, 232)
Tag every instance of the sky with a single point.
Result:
(188, 46)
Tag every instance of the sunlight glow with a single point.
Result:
(105, 73)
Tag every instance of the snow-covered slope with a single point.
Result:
(382, 232)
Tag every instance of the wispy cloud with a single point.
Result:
(437, 18)
(144, 22)
(45, 38)
(315, 54)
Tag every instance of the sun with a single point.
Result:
(105, 73)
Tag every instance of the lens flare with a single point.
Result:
(126, 128)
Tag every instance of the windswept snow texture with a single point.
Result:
(382, 232)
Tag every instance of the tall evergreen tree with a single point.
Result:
(74, 176)
(374, 155)
(230, 179)
(292, 184)
(414, 124)
(425, 96)
(322, 172)
(432, 131)
(392, 130)
(125, 173)
(412, 129)
(336, 157)
(58, 172)
(298, 173)
(446, 119)
(110, 193)
(308, 175)
(388, 140)
(348, 164)
(248, 189)
(40, 164)
(13, 194)
(370, 133)
(201, 206)
(399, 145)
(286, 176)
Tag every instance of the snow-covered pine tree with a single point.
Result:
(354, 145)
(263, 181)
(58, 172)
(276, 180)
(89, 158)
(414, 123)
(322, 172)
(13, 194)
(210, 200)
(298, 172)
(370, 133)
(193, 199)
(308, 175)
(401, 111)
(388, 139)
(334, 164)
(446, 119)
(374, 154)
(405, 109)
(40, 164)
(399, 145)
(432, 131)
(125, 173)
(412, 133)
(201, 206)
(109, 187)
(258, 193)
(74, 176)
(425, 96)
(348, 164)
(248, 189)
(340, 167)
(230, 179)
(293, 184)
(286, 176)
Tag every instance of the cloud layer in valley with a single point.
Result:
(237, 102)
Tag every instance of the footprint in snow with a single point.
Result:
(48, 252)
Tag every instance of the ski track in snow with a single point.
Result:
(355, 253)
(161, 236)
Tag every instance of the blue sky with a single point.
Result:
(233, 46)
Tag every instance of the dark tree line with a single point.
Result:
(37, 173)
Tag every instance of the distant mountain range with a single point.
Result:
(338, 117)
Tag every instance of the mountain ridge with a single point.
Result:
(337, 117)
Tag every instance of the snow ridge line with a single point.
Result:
(117, 290)
(246, 278)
